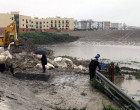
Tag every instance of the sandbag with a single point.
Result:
(2, 58)
(1, 50)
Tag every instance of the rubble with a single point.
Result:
(62, 63)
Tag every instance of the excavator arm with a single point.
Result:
(6, 40)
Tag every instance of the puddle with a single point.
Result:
(28, 76)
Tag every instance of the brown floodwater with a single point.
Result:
(125, 55)
(130, 86)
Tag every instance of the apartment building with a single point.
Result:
(106, 25)
(84, 24)
(28, 24)
(92, 25)
(52, 24)
(5, 19)
(114, 26)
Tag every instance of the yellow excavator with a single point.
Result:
(10, 31)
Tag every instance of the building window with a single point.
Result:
(26, 21)
(23, 25)
(32, 21)
(23, 30)
(47, 26)
(63, 21)
(44, 25)
(51, 25)
(51, 21)
(55, 21)
(40, 22)
(44, 22)
(12, 18)
(59, 21)
(67, 21)
(47, 21)
(22, 19)
(67, 25)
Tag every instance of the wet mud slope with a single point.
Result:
(60, 89)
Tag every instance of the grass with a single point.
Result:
(44, 38)
(136, 74)
(83, 94)
(96, 85)
(109, 107)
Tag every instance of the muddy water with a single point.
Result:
(125, 55)
(131, 87)
(89, 50)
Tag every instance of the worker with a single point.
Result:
(93, 66)
(44, 62)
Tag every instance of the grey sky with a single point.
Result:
(122, 11)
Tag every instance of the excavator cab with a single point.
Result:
(10, 35)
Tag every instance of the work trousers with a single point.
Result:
(44, 69)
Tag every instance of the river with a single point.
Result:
(125, 55)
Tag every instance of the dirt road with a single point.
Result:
(63, 89)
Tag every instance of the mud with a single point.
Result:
(33, 90)
(28, 76)
(62, 89)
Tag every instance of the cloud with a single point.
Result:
(111, 10)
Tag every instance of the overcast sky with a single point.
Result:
(121, 11)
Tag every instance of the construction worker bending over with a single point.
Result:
(93, 66)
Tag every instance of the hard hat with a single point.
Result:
(97, 56)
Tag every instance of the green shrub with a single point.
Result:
(96, 85)
(139, 101)
(44, 38)
(137, 75)
(117, 70)
(109, 107)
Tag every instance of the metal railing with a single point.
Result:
(106, 82)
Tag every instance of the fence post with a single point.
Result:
(112, 73)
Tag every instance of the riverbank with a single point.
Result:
(61, 87)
